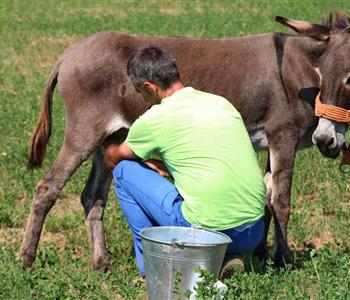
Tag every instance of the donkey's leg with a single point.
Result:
(94, 200)
(262, 250)
(46, 193)
(282, 162)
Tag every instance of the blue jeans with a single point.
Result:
(147, 199)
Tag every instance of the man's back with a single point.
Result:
(203, 142)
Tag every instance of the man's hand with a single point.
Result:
(158, 166)
(115, 153)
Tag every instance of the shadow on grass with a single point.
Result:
(300, 258)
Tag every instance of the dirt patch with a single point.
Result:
(50, 49)
(324, 238)
(12, 237)
(41, 52)
(56, 238)
(317, 241)
(67, 204)
(294, 244)
(171, 11)
(99, 12)
(168, 8)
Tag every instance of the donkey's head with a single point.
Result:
(333, 67)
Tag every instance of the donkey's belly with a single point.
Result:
(258, 138)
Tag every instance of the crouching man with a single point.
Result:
(202, 144)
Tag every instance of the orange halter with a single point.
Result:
(331, 112)
(338, 114)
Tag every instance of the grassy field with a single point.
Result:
(33, 35)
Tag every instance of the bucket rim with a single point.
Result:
(229, 240)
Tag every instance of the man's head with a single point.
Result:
(152, 71)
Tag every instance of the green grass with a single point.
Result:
(33, 35)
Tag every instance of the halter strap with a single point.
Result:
(331, 112)
(337, 114)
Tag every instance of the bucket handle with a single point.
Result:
(177, 244)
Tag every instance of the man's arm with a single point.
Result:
(115, 153)
(158, 166)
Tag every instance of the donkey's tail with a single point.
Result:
(42, 132)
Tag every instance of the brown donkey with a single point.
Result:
(270, 79)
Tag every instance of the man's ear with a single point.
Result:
(315, 31)
(151, 87)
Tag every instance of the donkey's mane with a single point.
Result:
(338, 20)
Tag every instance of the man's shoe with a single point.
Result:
(231, 263)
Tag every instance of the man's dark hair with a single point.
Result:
(152, 63)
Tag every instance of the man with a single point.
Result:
(203, 145)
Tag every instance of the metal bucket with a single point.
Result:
(171, 254)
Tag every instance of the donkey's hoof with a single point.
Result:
(101, 264)
(27, 260)
(282, 260)
(262, 253)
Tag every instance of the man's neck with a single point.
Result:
(172, 89)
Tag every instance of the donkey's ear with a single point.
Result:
(315, 31)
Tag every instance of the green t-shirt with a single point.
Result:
(203, 142)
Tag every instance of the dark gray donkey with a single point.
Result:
(269, 78)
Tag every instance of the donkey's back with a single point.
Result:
(257, 73)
